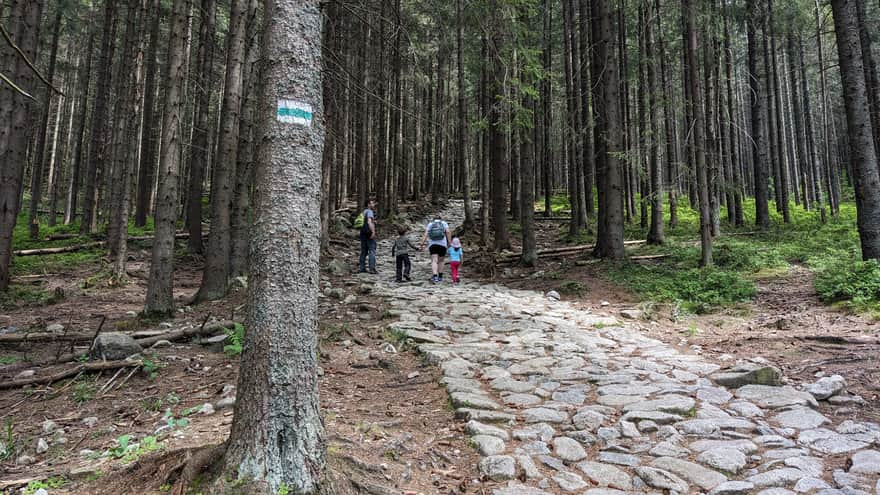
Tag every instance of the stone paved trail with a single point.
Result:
(559, 400)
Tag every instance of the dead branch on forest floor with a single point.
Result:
(560, 251)
(39, 380)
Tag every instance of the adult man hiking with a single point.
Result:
(368, 239)
(438, 237)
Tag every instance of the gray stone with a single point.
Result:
(587, 420)
(24, 375)
(530, 470)
(845, 480)
(714, 395)
(518, 489)
(498, 467)
(49, 426)
(648, 426)
(629, 430)
(627, 389)
(473, 401)
(706, 427)
(784, 453)
(837, 444)
(802, 418)
(669, 449)
(661, 479)
(658, 417)
(507, 384)
(777, 478)
(544, 415)
(810, 465)
(42, 446)
(535, 448)
(161, 344)
(458, 368)
(748, 374)
(484, 416)
(552, 462)
(337, 267)
(575, 397)
(606, 475)
(521, 399)
(614, 400)
(826, 387)
(488, 445)
(746, 409)
(552, 295)
(25, 460)
(727, 460)
(745, 446)
(477, 428)
(540, 431)
(776, 491)
(706, 479)
(207, 409)
(604, 491)
(567, 449)
(810, 484)
(631, 314)
(424, 337)
(569, 481)
(55, 328)
(775, 397)
(773, 441)
(225, 403)
(676, 404)
(619, 459)
(733, 488)
(113, 346)
(866, 462)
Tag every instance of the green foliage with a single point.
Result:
(4, 360)
(572, 287)
(8, 440)
(236, 340)
(84, 391)
(129, 451)
(21, 296)
(283, 489)
(173, 422)
(840, 278)
(47, 484)
(151, 365)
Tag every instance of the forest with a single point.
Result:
(659, 201)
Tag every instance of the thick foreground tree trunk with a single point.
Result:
(858, 124)
(277, 435)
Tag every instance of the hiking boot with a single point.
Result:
(406, 277)
(374, 272)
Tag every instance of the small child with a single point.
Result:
(455, 257)
(400, 251)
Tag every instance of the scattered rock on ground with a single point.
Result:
(114, 346)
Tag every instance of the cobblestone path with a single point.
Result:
(559, 400)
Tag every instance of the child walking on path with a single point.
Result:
(455, 258)
(400, 250)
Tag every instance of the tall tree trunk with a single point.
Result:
(758, 139)
(814, 162)
(160, 299)
(147, 168)
(699, 143)
(200, 150)
(546, 108)
(863, 156)
(42, 133)
(98, 147)
(668, 118)
(485, 194)
(800, 129)
(216, 272)
(79, 141)
(568, 128)
(872, 78)
(462, 123)
(246, 147)
(655, 234)
(826, 125)
(24, 28)
(527, 193)
(609, 168)
(778, 124)
(497, 149)
(735, 158)
(587, 155)
(278, 382)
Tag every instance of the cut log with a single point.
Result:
(86, 367)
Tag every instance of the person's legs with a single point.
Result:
(363, 256)
(440, 260)
(407, 266)
(453, 266)
(398, 274)
(371, 251)
(434, 258)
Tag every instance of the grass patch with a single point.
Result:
(572, 287)
(23, 296)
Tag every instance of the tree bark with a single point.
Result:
(98, 133)
(276, 440)
(758, 140)
(160, 299)
(699, 143)
(546, 109)
(147, 168)
(872, 78)
(216, 272)
(79, 141)
(43, 131)
(863, 156)
(200, 149)
(462, 123)
(655, 234)
(778, 124)
(15, 109)
(497, 150)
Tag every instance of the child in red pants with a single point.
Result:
(455, 258)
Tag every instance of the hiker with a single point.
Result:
(455, 258)
(438, 237)
(400, 251)
(368, 239)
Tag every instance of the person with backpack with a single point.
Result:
(438, 238)
(368, 238)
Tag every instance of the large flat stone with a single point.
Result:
(498, 467)
(802, 418)
(676, 404)
(473, 401)
(477, 428)
(568, 449)
(748, 374)
(775, 397)
(488, 444)
(777, 478)
(606, 475)
(706, 479)
(661, 479)
(544, 415)
(723, 459)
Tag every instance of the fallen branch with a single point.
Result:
(87, 245)
(87, 367)
(648, 257)
(15, 338)
(182, 334)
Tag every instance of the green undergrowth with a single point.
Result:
(743, 255)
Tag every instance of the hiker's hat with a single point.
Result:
(456, 243)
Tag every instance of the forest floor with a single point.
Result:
(389, 422)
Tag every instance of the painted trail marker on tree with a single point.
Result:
(294, 112)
